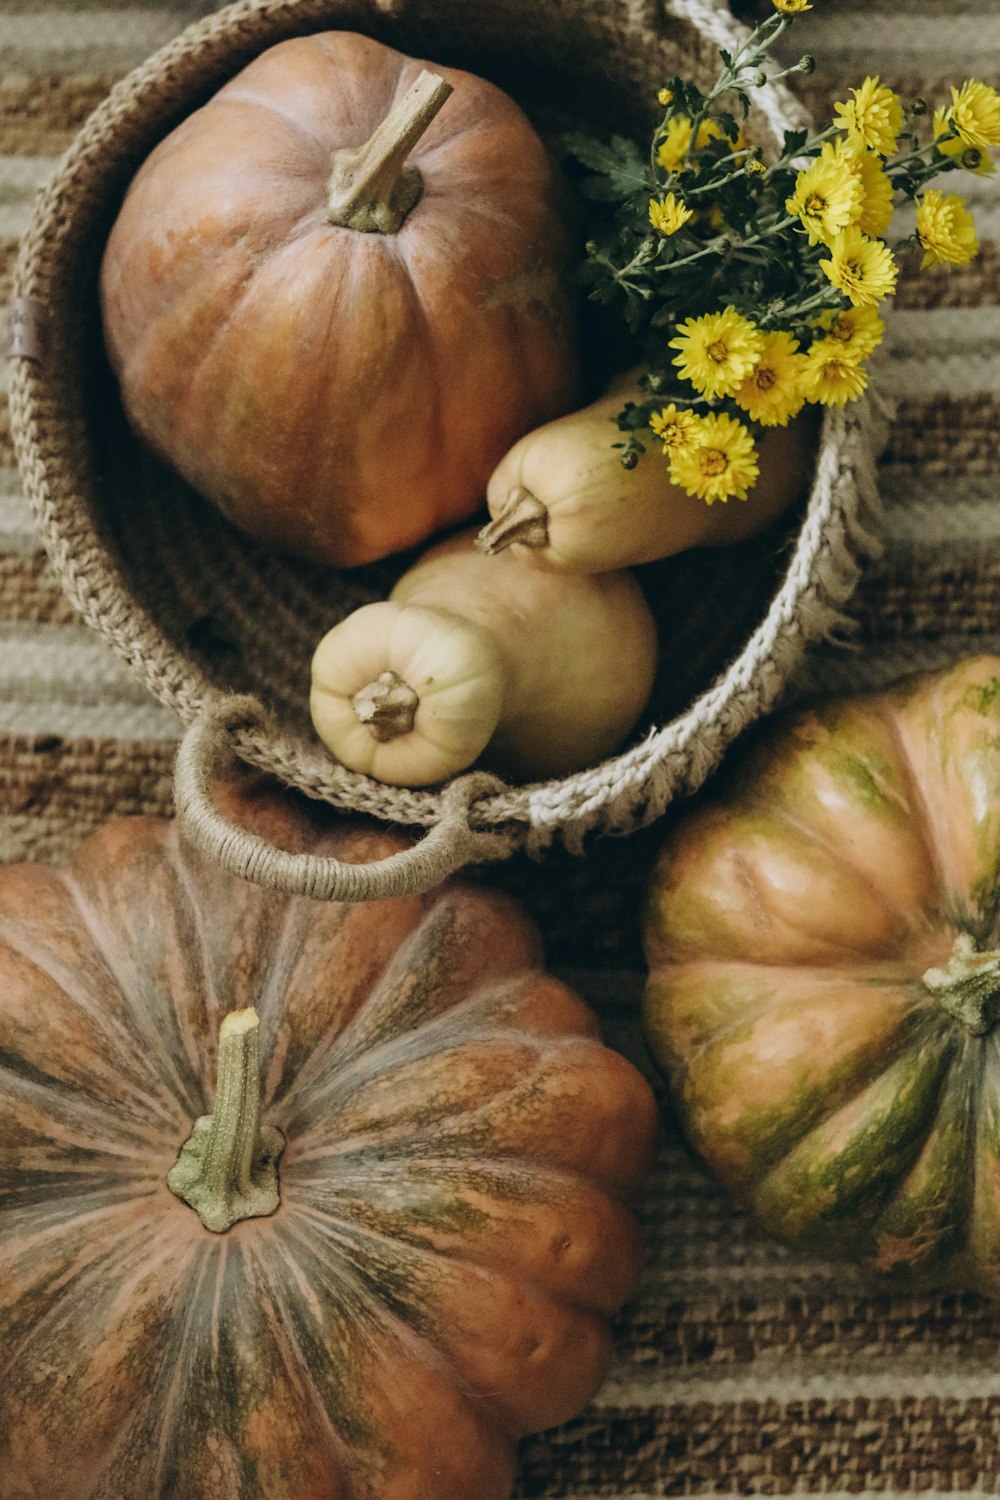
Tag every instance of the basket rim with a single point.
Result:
(623, 792)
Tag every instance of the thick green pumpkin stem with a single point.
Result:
(227, 1169)
(968, 987)
(372, 187)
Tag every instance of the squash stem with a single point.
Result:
(227, 1169)
(387, 706)
(523, 519)
(968, 987)
(372, 187)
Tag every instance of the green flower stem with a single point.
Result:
(821, 300)
(712, 187)
(714, 247)
(752, 53)
(722, 242)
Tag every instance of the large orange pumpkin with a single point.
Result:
(338, 354)
(823, 941)
(452, 1144)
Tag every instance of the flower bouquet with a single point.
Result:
(750, 287)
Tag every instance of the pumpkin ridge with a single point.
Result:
(188, 863)
(147, 1040)
(862, 973)
(94, 1269)
(911, 1033)
(769, 1154)
(983, 1275)
(349, 1055)
(120, 1042)
(141, 357)
(324, 1061)
(114, 1144)
(432, 371)
(181, 1339)
(403, 1275)
(921, 809)
(833, 851)
(433, 1048)
(297, 1367)
(374, 1311)
(237, 92)
(963, 1192)
(914, 1145)
(498, 1181)
(405, 1317)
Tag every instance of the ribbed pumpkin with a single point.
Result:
(331, 310)
(823, 940)
(451, 1139)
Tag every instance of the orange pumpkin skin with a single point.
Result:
(823, 941)
(339, 394)
(450, 1240)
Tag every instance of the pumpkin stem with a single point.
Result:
(968, 987)
(523, 519)
(387, 706)
(227, 1169)
(371, 187)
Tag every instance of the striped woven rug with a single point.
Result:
(741, 1369)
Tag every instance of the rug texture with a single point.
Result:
(741, 1368)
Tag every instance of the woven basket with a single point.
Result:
(223, 632)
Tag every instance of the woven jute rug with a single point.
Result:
(741, 1369)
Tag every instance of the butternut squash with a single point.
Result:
(560, 499)
(474, 656)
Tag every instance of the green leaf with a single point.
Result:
(794, 142)
(619, 161)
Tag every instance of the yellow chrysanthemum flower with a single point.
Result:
(864, 270)
(791, 7)
(972, 158)
(828, 378)
(857, 331)
(708, 130)
(827, 198)
(668, 214)
(721, 463)
(875, 192)
(946, 230)
(872, 117)
(717, 351)
(675, 428)
(771, 395)
(676, 143)
(665, 96)
(975, 114)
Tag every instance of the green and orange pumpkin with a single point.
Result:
(423, 1175)
(823, 941)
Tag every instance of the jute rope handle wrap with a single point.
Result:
(207, 749)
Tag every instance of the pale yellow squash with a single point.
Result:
(472, 657)
(561, 499)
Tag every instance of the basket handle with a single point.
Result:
(451, 843)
